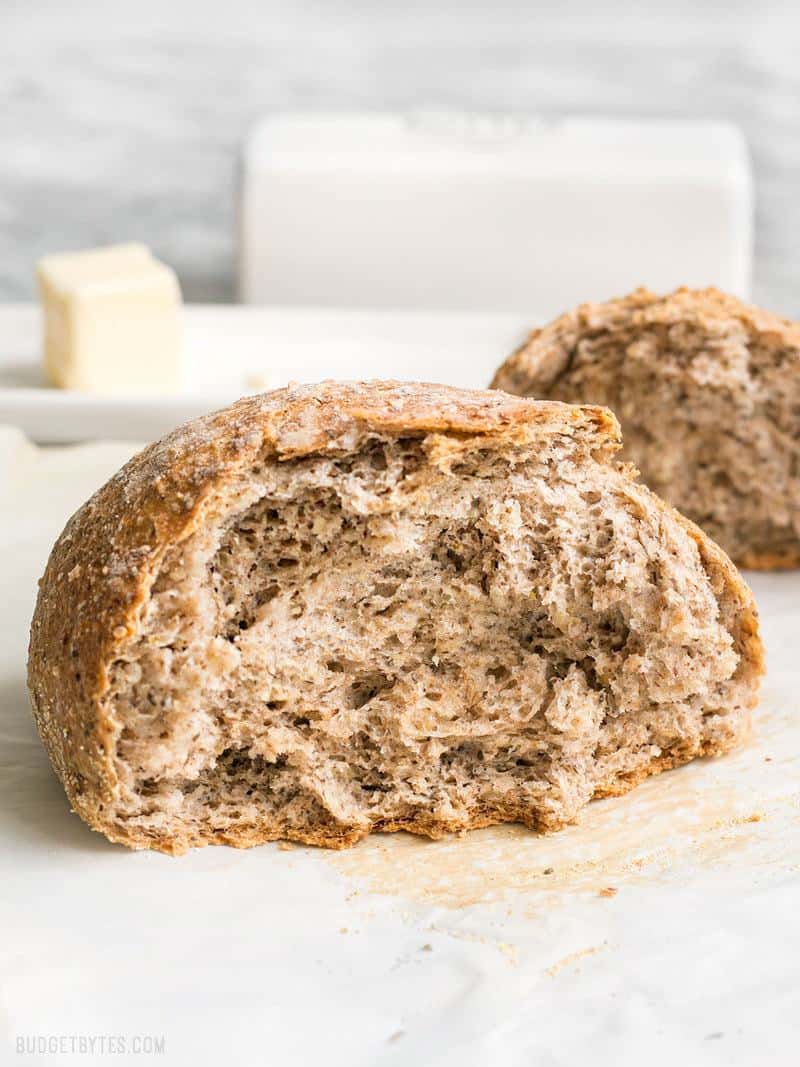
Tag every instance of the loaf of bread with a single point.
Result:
(351, 607)
(706, 389)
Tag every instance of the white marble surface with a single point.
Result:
(662, 930)
(123, 121)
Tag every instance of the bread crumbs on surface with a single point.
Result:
(511, 952)
(573, 957)
(608, 891)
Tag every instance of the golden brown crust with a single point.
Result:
(770, 561)
(103, 565)
(724, 574)
(709, 308)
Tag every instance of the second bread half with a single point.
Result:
(708, 393)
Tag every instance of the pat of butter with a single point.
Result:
(111, 320)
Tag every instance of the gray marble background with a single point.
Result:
(122, 120)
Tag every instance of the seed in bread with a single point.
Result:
(706, 390)
(351, 607)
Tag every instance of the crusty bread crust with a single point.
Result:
(102, 568)
(531, 361)
(537, 366)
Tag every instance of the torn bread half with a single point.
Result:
(351, 607)
(706, 389)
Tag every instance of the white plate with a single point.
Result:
(230, 351)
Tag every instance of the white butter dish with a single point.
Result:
(492, 214)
